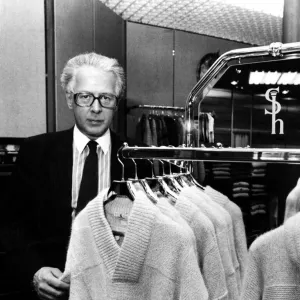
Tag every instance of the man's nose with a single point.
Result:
(96, 107)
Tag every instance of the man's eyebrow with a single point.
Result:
(85, 92)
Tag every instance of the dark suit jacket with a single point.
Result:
(41, 204)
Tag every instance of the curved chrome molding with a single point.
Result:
(238, 56)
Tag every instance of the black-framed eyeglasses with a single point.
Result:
(108, 101)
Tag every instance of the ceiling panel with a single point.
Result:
(254, 22)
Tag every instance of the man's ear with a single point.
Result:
(69, 98)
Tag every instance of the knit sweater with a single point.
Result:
(224, 213)
(207, 249)
(170, 211)
(222, 236)
(235, 212)
(292, 204)
(273, 268)
(155, 261)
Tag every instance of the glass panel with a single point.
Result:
(255, 104)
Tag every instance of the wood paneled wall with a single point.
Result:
(84, 26)
(149, 65)
(161, 63)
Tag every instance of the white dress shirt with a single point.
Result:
(80, 152)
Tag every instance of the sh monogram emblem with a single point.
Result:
(276, 107)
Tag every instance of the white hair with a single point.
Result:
(93, 59)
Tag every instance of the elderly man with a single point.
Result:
(58, 173)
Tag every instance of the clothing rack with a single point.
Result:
(270, 155)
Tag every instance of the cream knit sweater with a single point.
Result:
(273, 269)
(222, 236)
(170, 211)
(226, 216)
(292, 203)
(156, 261)
(187, 214)
(235, 212)
(207, 248)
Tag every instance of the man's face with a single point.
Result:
(92, 121)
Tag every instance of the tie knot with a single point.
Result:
(92, 146)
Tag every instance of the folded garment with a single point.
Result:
(221, 169)
(259, 211)
(258, 190)
(258, 201)
(240, 189)
(221, 173)
(240, 183)
(222, 177)
(259, 164)
(258, 206)
(240, 195)
(258, 171)
(258, 175)
(256, 185)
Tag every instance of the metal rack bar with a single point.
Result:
(156, 107)
(270, 155)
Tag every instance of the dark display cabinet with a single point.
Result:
(9, 148)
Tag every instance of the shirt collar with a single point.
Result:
(80, 140)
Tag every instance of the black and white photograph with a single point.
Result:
(149, 150)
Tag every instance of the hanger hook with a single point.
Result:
(171, 173)
(163, 166)
(152, 167)
(135, 166)
(121, 148)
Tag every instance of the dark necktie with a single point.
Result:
(89, 182)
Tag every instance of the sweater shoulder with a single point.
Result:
(234, 210)
(268, 240)
(169, 230)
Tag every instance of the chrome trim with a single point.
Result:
(273, 155)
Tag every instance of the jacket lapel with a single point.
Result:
(62, 160)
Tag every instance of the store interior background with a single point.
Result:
(159, 54)
(37, 38)
(160, 59)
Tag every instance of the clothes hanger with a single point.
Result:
(183, 178)
(178, 177)
(142, 185)
(172, 179)
(157, 185)
(171, 191)
(188, 175)
(121, 187)
(188, 178)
